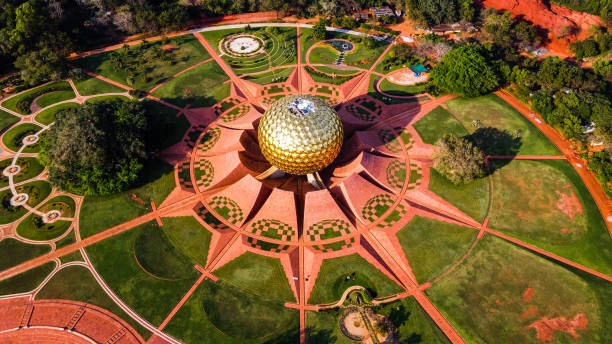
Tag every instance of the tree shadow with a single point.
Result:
(495, 142)
(320, 336)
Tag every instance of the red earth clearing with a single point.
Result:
(569, 204)
(531, 311)
(528, 294)
(545, 327)
(551, 17)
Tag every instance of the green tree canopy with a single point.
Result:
(465, 70)
(97, 148)
(458, 159)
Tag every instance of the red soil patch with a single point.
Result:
(537, 182)
(169, 47)
(521, 215)
(528, 294)
(566, 231)
(569, 204)
(545, 327)
(531, 311)
(136, 199)
(553, 18)
(499, 303)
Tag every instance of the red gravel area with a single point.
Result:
(545, 327)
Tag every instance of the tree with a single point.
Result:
(467, 11)
(369, 42)
(97, 148)
(603, 67)
(458, 159)
(319, 32)
(465, 70)
(39, 66)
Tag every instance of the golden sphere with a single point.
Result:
(300, 134)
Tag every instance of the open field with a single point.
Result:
(437, 124)
(16, 252)
(471, 198)
(29, 168)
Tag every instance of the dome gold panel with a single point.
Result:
(300, 134)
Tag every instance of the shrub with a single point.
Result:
(458, 159)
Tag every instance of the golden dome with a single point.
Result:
(300, 134)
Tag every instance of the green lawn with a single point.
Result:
(324, 54)
(388, 100)
(483, 297)
(54, 97)
(322, 327)
(331, 70)
(31, 228)
(492, 111)
(274, 76)
(202, 86)
(188, 235)
(437, 124)
(159, 257)
(62, 286)
(26, 281)
(16, 252)
(471, 198)
(102, 212)
(27, 97)
(189, 52)
(7, 119)
(215, 36)
(527, 203)
(412, 322)
(30, 168)
(306, 41)
(37, 192)
(332, 279)
(91, 86)
(258, 275)
(432, 246)
(401, 90)
(151, 297)
(12, 139)
(48, 116)
(231, 318)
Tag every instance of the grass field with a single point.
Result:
(29, 96)
(189, 52)
(258, 275)
(493, 281)
(330, 70)
(188, 235)
(105, 98)
(12, 139)
(437, 124)
(102, 212)
(277, 75)
(61, 286)
(202, 86)
(7, 119)
(528, 198)
(149, 296)
(492, 111)
(332, 279)
(174, 127)
(16, 252)
(48, 116)
(91, 86)
(30, 168)
(388, 100)
(247, 316)
(26, 281)
(324, 54)
(322, 327)
(432, 246)
(54, 97)
(37, 192)
(30, 229)
(159, 257)
(471, 198)
(401, 90)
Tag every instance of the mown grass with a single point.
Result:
(493, 111)
(37, 192)
(258, 275)
(105, 98)
(187, 234)
(16, 252)
(202, 86)
(401, 90)
(102, 212)
(30, 168)
(12, 103)
(189, 52)
(175, 127)
(322, 327)
(432, 246)
(493, 280)
(471, 198)
(54, 97)
(26, 281)
(437, 124)
(12, 139)
(270, 77)
(525, 205)
(91, 86)
(48, 116)
(412, 323)
(62, 286)
(159, 257)
(151, 297)
(332, 279)
(29, 228)
(6, 119)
